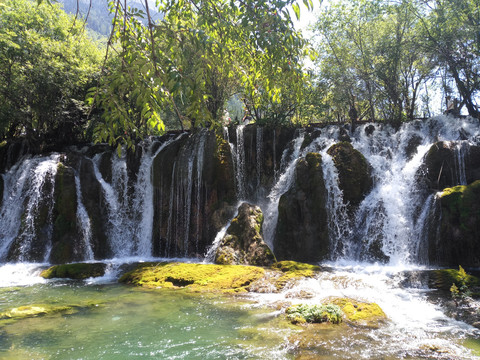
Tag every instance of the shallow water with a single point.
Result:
(113, 321)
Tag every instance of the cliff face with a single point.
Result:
(175, 193)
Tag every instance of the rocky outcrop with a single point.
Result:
(449, 163)
(65, 230)
(243, 243)
(458, 238)
(354, 172)
(302, 230)
(193, 181)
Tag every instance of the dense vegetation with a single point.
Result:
(374, 60)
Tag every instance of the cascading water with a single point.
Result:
(290, 157)
(239, 163)
(83, 222)
(28, 195)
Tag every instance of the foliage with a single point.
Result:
(193, 60)
(460, 290)
(315, 313)
(370, 59)
(46, 63)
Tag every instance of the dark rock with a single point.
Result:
(441, 166)
(458, 242)
(243, 243)
(65, 236)
(369, 129)
(302, 231)
(94, 202)
(2, 185)
(344, 135)
(412, 145)
(354, 172)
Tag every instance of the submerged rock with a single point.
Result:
(78, 271)
(302, 230)
(354, 172)
(28, 311)
(243, 243)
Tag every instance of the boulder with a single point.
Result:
(354, 172)
(458, 242)
(302, 230)
(65, 235)
(446, 162)
(77, 271)
(243, 243)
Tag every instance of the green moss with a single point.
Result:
(195, 277)
(78, 271)
(314, 313)
(443, 279)
(3, 143)
(293, 270)
(23, 312)
(360, 313)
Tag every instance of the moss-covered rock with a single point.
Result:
(302, 229)
(459, 234)
(442, 279)
(243, 243)
(314, 313)
(65, 234)
(354, 172)
(361, 313)
(195, 277)
(292, 271)
(28, 311)
(78, 271)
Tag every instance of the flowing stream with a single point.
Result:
(110, 321)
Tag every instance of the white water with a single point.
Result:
(270, 212)
(83, 222)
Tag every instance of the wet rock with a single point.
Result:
(447, 162)
(361, 313)
(194, 277)
(94, 202)
(369, 129)
(459, 233)
(1, 189)
(344, 136)
(302, 230)
(77, 271)
(412, 145)
(243, 243)
(65, 235)
(354, 172)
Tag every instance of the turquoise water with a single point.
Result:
(112, 321)
(119, 322)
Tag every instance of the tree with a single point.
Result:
(46, 65)
(193, 60)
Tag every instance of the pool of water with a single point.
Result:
(113, 321)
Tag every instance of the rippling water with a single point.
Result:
(113, 321)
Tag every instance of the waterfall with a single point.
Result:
(281, 186)
(461, 152)
(83, 222)
(259, 159)
(239, 163)
(27, 206)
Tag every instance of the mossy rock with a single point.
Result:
(28, 311)
(78, 271)
(361, 313)
(354, 172)
(195, 277)
(442, 279)
(314, 313)
(292, 271)
(459, 227)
